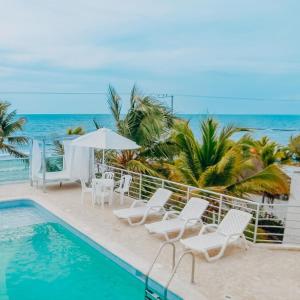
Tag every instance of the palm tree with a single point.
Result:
(58, 148)
(218, 163)
(9, 126)
(75, 131)
(55, 163)
(147, 122)
(265, 150)
(294, 146)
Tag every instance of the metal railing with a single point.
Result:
(271, 223)
(17, 169)
(277, 222)
(14, 169)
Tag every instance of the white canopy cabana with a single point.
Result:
(105, 139)
(75, 164)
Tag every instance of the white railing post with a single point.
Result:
(220, 209)
(44, 165)
(162, 183)
(188, 193)
(256, 223)
(140, 187)
(30, 163)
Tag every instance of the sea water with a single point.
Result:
(277, 127)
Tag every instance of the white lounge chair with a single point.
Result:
(189, 217)
(123, 187)
(143, 208)
(229, 231)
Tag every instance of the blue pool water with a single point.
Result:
(42, 258)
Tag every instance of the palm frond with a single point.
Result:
(114, 103)
(11, 150)
(269, 180)
(18, 140)
(97, 124)
(9, 126)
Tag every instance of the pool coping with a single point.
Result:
(124, 256)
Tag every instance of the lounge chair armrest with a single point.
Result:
(136, 203)
(234, 235)
(171, 213)
(193, 219)
(208, 226)
(155, 207)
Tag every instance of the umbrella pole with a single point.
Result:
(103, 157)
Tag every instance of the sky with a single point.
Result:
(217, 48)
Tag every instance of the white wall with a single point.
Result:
(292, 228)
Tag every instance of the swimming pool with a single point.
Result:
(43, 258)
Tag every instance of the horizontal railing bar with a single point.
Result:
(184, 185)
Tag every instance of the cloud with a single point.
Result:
(154, 36)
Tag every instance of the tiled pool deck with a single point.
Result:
(256, 274)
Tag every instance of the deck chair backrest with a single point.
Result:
(108, 175)
(194, 208)
(234, 222)
(125, 183)
(160, 197)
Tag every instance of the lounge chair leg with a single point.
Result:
(102, 202)
(176, 238)
(137, 223)
(122, 198)
(216, 257)
(167, 237)
(245, 242)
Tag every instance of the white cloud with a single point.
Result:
(93, 35)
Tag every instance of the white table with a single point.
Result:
(103, 187)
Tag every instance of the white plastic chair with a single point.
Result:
(175, 221)
(123, 187)
(108, 175)
(85, 190)
(229, 231)
(143, 208)
(101, 193)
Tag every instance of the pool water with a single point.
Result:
(41, 259)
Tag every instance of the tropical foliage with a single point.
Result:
(58, 148)
(55, 163)
(265, 150)
(170, 149)
(147, 122)
(75, 131)
(218, 163)
(294, 147)
(10, 125)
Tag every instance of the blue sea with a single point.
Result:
(277, 127)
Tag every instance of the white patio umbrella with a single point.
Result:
(105, 139)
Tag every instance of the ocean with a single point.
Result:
(277, 127)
